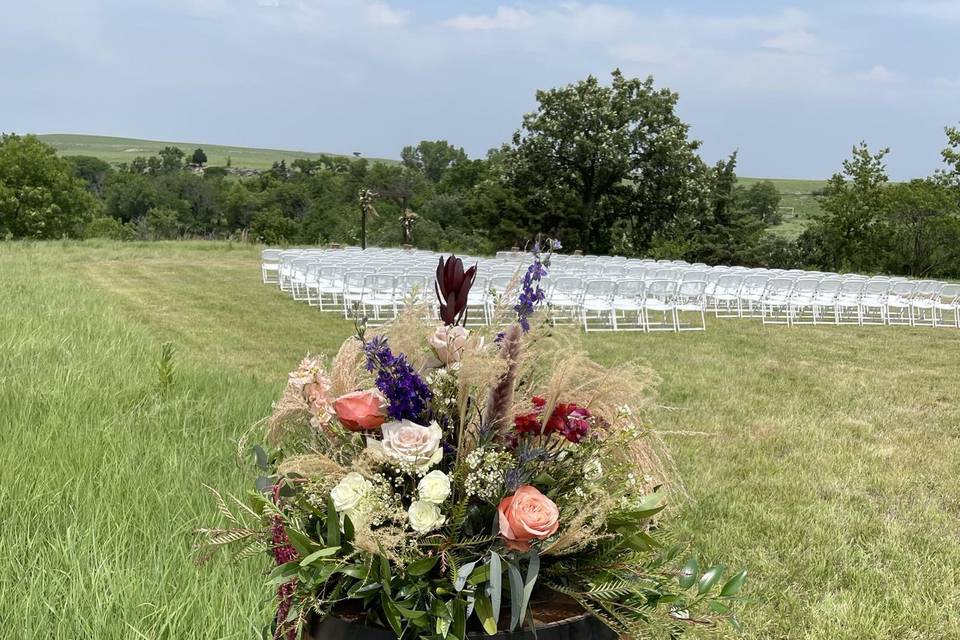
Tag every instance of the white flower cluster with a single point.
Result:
(354, 497)
(487, 470)
(443, 383)
(424, 513)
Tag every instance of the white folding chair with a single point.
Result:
(659, 298)
(627, 305)
(947, 306)
(775, 301)
(691, 301)
(596, 305)
(270, 265)
(848, 299)
(898, 303)
(923, 303)
(563, 298)
(874, 300)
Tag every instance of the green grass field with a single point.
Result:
(826, 460)
(117, 150)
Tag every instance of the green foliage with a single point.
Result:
(129, 196)
(432, 158)
(198, 157)
(171, 159)
(762, 199)
(592, 154)
(108, 228)
(849, 236)
(922, 219)
(869, 225)
(160, 223)
(40, 197)
(93, 171)
(270, 226)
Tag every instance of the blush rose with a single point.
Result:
(525, 516)
(361, 410)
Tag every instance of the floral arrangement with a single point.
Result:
(438, 482)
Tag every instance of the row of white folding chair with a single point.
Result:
(859, 301)
(629, 304)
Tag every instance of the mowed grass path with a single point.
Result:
(827, 459)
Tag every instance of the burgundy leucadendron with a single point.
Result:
(452, 286)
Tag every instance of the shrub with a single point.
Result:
(270, 226)
(109, 228)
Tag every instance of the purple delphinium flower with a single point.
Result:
(408, 396)
(531, 293)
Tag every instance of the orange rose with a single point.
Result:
(527, 515)
(361, 410)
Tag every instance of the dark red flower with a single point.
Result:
(568, 419)
(527, 423)
(452, 286)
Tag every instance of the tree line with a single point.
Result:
(606, 168)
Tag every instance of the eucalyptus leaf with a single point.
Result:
(710, 578)
(462, 574)
(495, 589)
(688, 574)
(516, 594)
(484, 611)
(533, 570)
(734, 584)
(260, 457)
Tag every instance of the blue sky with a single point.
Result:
(792, 86)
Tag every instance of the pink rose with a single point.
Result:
(361, 410)
(527, 515)
(448, 343)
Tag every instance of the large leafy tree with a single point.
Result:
(40, 197)
(129, 196)
(924, 221)
(91, 170)
(851, 234)
(592, 153)
(433, 158)
(762, 199)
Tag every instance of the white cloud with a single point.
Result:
(941, 10)
(798, 41)
(381, 13)
(880, 73)
(504, 18)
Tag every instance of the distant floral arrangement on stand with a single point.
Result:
(439, 482)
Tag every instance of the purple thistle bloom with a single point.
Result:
(406, 392)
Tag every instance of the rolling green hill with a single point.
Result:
(797, 195)
(116, 150)
(797, 202)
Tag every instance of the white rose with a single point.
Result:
(434, 487)
(348, 494)
(409, 444)
(448, 343)
(424, 516)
